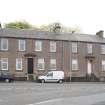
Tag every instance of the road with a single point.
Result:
(30, 93)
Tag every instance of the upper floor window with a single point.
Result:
(74, 47)
(74, 64)
(38, 45)
(4, 44)
(41, 64)
(4, 63)
(52, 46)
(53, 64)
(89, 48)
(18, 63)
(102, 49)
(22, 45)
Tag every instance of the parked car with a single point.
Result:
(52, 76)
(6, 76)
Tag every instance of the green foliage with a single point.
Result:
(74, 29)
(18, 25)
(50, 27)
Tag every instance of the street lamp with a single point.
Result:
(0, 25)
(70, 64)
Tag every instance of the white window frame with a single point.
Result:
(52, 46)
(38, 45)
(74, 47)
(103, 65)
(19, 62)
(41, 62)
(2, 44)
(52, 64)
(23, 42)
(103, 49)
(89, 48)
(4, 61)
(74, 64)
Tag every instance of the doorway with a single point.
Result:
(89, 67)
(30, 65)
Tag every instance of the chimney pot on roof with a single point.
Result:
(100, 33)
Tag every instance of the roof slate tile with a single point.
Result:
(29, 33)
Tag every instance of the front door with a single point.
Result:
(89, 67)
(30, 65)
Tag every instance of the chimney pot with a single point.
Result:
(100, 33)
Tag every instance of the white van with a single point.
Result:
(52, 76)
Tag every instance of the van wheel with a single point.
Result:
(42, 81)
(60, 81)
(7, 80)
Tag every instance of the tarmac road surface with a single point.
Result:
(30, 93)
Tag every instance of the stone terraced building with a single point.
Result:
(25, 52)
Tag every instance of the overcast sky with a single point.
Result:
(89, 15)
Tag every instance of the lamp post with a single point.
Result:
(70, 74)
(0, 25)
(70, 63)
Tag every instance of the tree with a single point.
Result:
(52, 27)
(18, 25)
(75, 29)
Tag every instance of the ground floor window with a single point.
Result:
(103, 65)
(18, 63)
(40, 64)
(4, 63)
(74, 64)
(53, 64)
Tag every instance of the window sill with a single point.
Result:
(52, 51)
(21, 51)
(4, 70)
(19, 70)
(4, 50)
(41, 70)
(75, 70)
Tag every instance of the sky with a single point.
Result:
(89, 15)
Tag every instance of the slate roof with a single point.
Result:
(29, 33)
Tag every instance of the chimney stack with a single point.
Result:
(100, 33)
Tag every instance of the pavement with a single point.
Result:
(30, 93)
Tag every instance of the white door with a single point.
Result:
(89, 67)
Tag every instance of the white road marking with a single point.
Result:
(80, 100)
(30, 104)
(47, 101)
(16, 88)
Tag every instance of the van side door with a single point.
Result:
(49, 77)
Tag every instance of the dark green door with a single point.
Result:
(30, 65)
